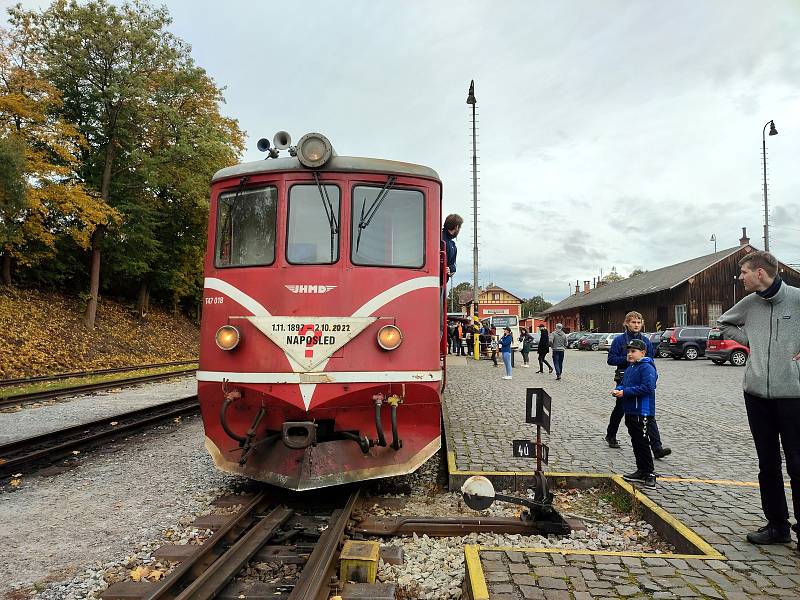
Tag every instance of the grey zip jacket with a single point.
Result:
(771, 327)
(558, 340)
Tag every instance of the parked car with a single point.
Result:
(720, 350)
(591, 341)
(575, 337)
(687, 342)
(655, 339)
(606, 340)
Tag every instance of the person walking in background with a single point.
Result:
(505, 350)
(618, 357)
(525, 341)
(559, 344)
(543, 349)
(768, 321)
(493, 348)
(637, 392)
(457, 337)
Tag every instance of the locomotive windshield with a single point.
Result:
(395, 236)
(312, 239)
(246, 227)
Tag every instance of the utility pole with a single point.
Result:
(471, 100)
(772, 131)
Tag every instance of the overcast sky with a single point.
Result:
(611, 134)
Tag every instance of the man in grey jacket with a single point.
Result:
(559, 343)
(769, 322)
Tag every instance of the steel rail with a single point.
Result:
(90, 372)
(51, 446)
(207, 553)
(316, 574)
(89, 387)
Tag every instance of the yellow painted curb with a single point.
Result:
(477, 582)
(707, 549)
(566, 551)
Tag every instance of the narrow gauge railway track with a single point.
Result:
(268, 527)
(75, 374)
(50, 447)
(13, 400)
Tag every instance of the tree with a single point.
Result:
(612, 276)
(105, 61)
(48, 200)
(535, 306)
(452, 299)
(637, 271)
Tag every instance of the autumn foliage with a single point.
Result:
(43, 333)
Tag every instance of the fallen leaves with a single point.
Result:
(43, 333)
(142, 573)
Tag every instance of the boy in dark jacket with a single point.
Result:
(638, 394)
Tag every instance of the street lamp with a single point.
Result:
(473, 101)
(772, 131)
(713, 238)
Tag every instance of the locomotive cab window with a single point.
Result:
(388, 227)
(246, 227)
(313, 225)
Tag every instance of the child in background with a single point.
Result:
(493, 348)
(638, 393)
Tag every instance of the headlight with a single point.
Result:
(389, 337)
(227, 337)
(314, 150)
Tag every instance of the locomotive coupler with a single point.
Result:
(394, 401)
(298, 435)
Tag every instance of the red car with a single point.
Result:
(720, 350)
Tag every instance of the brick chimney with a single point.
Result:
(577, 287)
(586, 289)
(744, 240)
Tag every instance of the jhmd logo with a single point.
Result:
(310, 289)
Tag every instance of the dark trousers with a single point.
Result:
(558, 361)
(494, 357)
(543, 361)
(524, 354)
(637, 428)
(775, 422)
(616, 418)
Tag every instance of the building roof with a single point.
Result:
(646, 283)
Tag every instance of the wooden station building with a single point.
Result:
(693, 292)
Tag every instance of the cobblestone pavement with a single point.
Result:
(701, 416)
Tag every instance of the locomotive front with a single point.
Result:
(320, 358)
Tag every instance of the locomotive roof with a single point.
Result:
(337, 163)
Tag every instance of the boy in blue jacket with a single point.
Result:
(638, 394)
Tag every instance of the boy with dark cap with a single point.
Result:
(638, 393)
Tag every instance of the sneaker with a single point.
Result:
(635, 477)
(642, 479)
(558, 378)
(506, 376)
(526, 366)
(661, 452)
(612, 442)
(769, 535)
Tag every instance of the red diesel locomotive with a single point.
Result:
(321, 354)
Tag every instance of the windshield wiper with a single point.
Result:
(366, 218)
(232, 203)
(329, 213)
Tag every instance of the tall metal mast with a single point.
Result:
(471, 100)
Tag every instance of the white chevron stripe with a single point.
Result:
(238, 295)
(327, 377)
(395, 292)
